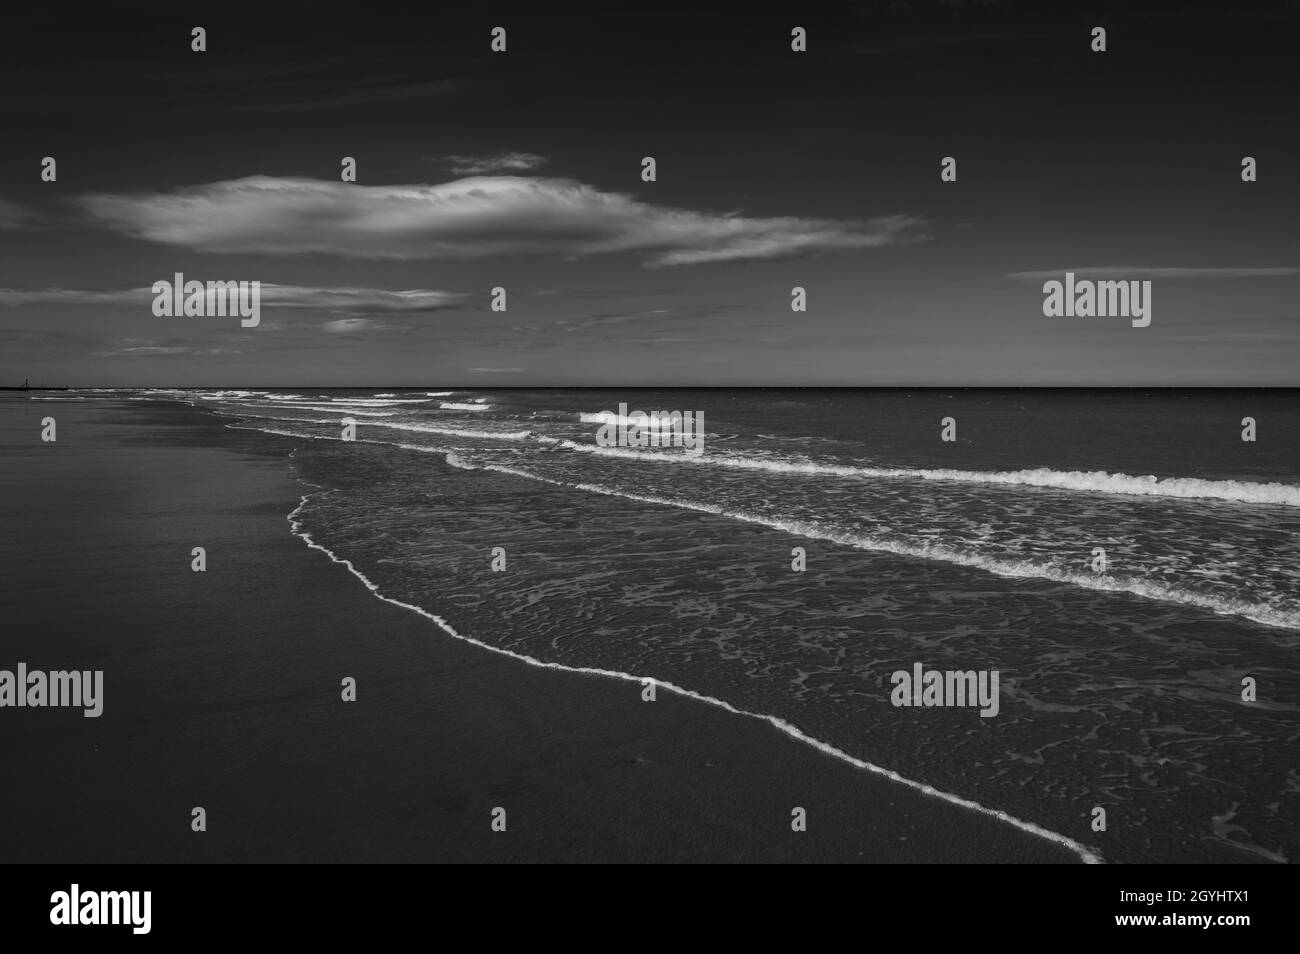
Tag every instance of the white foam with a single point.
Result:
(320, 408)
(378, 402)
(452, 431)
(1096, 481)
(1021, 569)
(460, 406)
(224, 395)
(643, 420)
(419, 428)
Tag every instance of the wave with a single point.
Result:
(377, 402)
(1097, 481)
(416, 428)
(1085, 854)
(231, 395)
(320, 408)
(1075, 481)
(454, 431)
(1263, 613)
(634, 419)
(287, 420)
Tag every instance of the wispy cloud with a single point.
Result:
(360, 300)
(15, 216)
(473, 217)
(147, 347)
(351, 326)
(337, 300)
(1134, 271)
(74, 296)
(641, 317)
(142, 350)
(495, 163)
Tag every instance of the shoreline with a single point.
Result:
(1085, 854)
(441, 732)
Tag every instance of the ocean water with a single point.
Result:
(1119, 690)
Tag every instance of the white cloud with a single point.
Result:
(474, 217)
(149, 349)
(498, 162)
(338, 300)
(144, 347)
(350, 326)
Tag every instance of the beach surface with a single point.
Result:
(222, 690)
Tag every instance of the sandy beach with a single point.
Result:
(222, 690)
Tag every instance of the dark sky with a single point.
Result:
(775, 169)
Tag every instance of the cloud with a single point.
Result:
(644, 317)
(498, 162)
(468, 218)
(1133, 271)
(74, 296)
(145, 347)
(621, 293)
(339, 300)
(360, 300)
(350, 326)
(14, 216)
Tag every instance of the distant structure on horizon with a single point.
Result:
(27, 387)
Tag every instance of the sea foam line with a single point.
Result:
(1094, 481)
(408, 426)
(321, 408)
(421, 428)
(1084, 853)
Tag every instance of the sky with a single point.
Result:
(523, 170)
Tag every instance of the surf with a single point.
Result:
(1084, 853)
